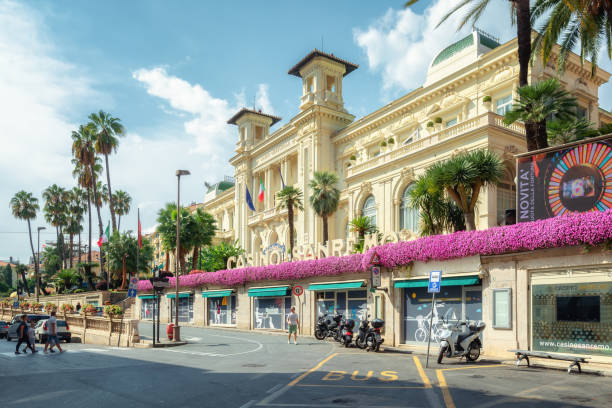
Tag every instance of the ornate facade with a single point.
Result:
(469, 86)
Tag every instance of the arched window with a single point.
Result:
(409, 217)
(369, 209)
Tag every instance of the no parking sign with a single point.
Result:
(298, 290)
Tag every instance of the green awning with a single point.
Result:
(335, 286)
(423, 283)
(216, 293)
(181, 295)
(146, 297)
(271, 291)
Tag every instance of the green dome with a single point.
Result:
(462, 44)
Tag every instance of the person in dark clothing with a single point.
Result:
(78, 307)
(22, 331)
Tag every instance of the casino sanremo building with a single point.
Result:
(470, 84)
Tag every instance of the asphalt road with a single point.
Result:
(221, 368)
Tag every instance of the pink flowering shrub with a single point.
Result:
(575, 229)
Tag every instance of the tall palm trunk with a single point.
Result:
(110, 195)
(290, 219)
(470, 224)
(35, 264)
(194, 257)
(541, 135)
(167, 260)
(325, 230)
(71, 243)
(523, 28)
(89, 247)
(119, 222)
(100, 227)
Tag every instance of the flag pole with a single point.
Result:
(138, 246)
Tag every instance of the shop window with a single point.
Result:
(503, 105)
(222, 310)
(409, 217)
(451, 122)
(369, 209)
(502, 309)
(351, 304)
(572, 317)
(185, 309)
(147, 307)
(271, 312)
(379, 307)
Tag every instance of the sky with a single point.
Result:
(175, 72)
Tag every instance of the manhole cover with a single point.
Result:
(253, 365)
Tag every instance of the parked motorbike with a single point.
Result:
(347, 332)
(456, 342)
(373, 337)
(328, 327)
(364, 327)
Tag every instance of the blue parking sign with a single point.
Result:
(435, 277)
(132, 293)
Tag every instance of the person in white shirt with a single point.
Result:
(293, 321)
(52, 339)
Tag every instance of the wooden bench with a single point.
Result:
(525, 354)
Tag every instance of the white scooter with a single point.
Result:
(455, 342)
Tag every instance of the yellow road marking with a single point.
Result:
(315, 368)
(424, 377)
(448, 399)
(358, 386)
(470, 367)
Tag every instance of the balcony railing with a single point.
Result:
(478, 122)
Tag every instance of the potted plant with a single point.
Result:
(24, 305)
(113, 311)
(67, 308)
(4, 304)
(486, 101)
(90, 309)
(438, 123)
(35, 306)
(391, 141)
(353, 157)
(430, 124)
(49, 307)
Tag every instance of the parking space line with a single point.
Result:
(448, 399)
(361, 386)
(471, 367)
(313, 369)
(424, 377)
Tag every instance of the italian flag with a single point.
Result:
(104, 237)
(262, 190)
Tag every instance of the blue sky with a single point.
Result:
(174, 72)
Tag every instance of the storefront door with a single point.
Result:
(185, 309)
(271, 312)
(453, 303)
(352, 304)
(147, 306)
(222, 310)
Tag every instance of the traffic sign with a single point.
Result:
(133, 288)
(375, 259)
(298, 290)
(132, 293)
(435, 277)
(375, 272)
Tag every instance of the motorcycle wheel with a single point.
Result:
(347, 343)
(473, 352)
(319, 335)
(370, 342)
(441, 354)
(361, 344)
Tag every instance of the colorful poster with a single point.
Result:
(574, 179)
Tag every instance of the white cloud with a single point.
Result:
(263, 100)
(401, 44)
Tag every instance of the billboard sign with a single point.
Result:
(572, 178)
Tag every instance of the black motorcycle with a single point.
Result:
(328, 327)
(364, 328)
(373, 337)
(347, 332)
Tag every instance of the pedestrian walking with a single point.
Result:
(22, 332)
(293, 321)
(31, 340)
(52, 339)
(78, 307)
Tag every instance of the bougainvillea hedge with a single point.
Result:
(575, 229)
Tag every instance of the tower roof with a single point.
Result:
(350, 67)
(244, 111)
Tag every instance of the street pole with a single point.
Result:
(177, 330)
(37, 265)
(433, 304)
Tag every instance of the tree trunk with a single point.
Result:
(89, 247)
(71, 254)
(470, 225)
(325, 230)
(532, 143)
(35, 264)
(79, 251)
(523, 32)
(167, 260)
(290, 221)
(194, 257)
(541, 135)
(110, 196)
(100, 227)
(123, 281)
(119, 222)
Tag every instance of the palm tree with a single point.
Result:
(570, 130)
(122, 202)
(573, 22)
(538, 102)
(56, 208)
(205, 228)
(65, 279)
(362, 226)
(107, 128)
(290, 198)
(436, 212)
(325, 197)
(463, 176)
(75, 218)
(522, 18)
(24, 207)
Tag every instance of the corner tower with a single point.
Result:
(322, 75)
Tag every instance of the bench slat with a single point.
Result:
(554, 356)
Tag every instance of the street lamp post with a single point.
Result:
(37, 265)
(177, 330)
